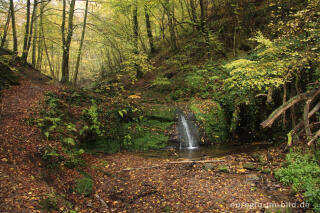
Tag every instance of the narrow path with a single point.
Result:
(19, 191)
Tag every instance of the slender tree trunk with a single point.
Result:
(284, 100)
(34, 40)
(66, 42)
(194, 17)
(173, 38)
(40, 37)
(47, 54)
(5, 31)
(81, 44)
(14, 31)
(26, 33)
(203, 27)
(136, 36)
(149, 31)
(33, 17)
(292, 110)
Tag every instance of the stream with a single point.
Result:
(217, 150)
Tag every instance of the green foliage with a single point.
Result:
(50, 202)
(302, 172)
(74, 159)
(160, 125)
(134, 62)
(223, 168)
(269, 69)
(161, 113)
(84, 186)
(50, 157)
(213, 121)
(162, 83)
(93, 126)
(149, 141)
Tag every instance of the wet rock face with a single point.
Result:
(187, 131)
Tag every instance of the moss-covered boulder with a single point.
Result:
(211, 118)
(7, 77)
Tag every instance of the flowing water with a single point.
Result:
(189, 148)
(188, 133)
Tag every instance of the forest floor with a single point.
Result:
(127, 182)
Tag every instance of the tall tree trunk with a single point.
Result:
(5, 30)
(26, 33)
(173, 38)
(47, 54)
(66, 41)
(33, 17)
(284, 100)
(203, 27)
(149, 31)
(14, 31)
(194, 17)
(34, 40)
(81, 44)
(40, 37)
(136, 36)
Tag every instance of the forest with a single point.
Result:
(159, 106)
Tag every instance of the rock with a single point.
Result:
(249, 166)
(208, 166)
(89, 204)
(266, 171)
(223, 168)
(252, 178)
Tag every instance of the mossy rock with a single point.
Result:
(249, 166)
(223, 168)
(259, 158)
(84, 186)
(266, 171)
(7, 77)
(161, 113)
(149, 140)
(211, 117)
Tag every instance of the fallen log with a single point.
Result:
(287, 105)
(315, 137)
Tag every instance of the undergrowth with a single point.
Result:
(301, 171)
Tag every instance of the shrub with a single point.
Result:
(302, 172)
(50, 202)
(50, 157)
(84, 186)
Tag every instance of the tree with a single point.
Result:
(136, 36)
(14, 31)
(81, 44)
(149, 30)
(26, 34)
(169, 8)
(5, 31)
(66, 39)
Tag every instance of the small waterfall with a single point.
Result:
(188, 133)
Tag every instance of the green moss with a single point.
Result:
(7, 77)
(213, 121)
(223, 168)
(84, 186)
(161, 113)
(150, 141)
(156, 124)
(249, 166)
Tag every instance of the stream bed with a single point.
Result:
(217, 150)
